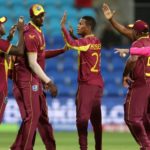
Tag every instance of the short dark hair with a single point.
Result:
(90, 21)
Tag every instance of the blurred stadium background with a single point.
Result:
(63, 69)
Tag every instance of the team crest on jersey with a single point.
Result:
(31, 36)
(35, 88)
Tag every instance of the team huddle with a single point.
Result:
(25, 65)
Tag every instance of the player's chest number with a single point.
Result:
(94, 69)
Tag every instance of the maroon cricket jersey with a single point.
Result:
(141, 71)
(4, 63)
(5, 46)
(34, 43)
(89, 49)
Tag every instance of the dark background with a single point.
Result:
(142, 10)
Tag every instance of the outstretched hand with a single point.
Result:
(20, 24)
(63, 20)
(108, 13)
(72, 32)
(122, 52)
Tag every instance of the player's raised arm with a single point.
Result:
(72, 32)
(12, 32)
(5, 45)
(109, 15)
(19, 49)
(76, 44)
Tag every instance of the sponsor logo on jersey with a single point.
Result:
(31, 36)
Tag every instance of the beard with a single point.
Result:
(3, 33)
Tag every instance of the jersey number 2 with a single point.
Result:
(94, 69)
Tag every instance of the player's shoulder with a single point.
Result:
(137, 43)
(28, 31)
(95, 39)
(26, 28)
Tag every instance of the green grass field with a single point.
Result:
(69, 141)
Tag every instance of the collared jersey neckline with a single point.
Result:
(37, 28)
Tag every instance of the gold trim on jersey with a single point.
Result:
(147, 74)
(37, 28)
(6, 64)
(79, 48)
(143, 37)
(89, 35)
(85, 47)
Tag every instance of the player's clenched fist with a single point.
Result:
(20, 23)
(52, 88)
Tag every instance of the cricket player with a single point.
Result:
(29, 77)
(137, 100)
(7, 48)
(136, 105)
(90, 82)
